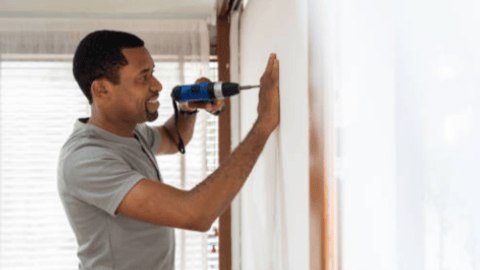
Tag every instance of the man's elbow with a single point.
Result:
(198, 226)
(201, 228)
(199, 220)
(201, 224)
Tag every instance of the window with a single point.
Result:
(39, 102)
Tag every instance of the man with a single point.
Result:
(120, 210)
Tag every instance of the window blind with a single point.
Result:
(39, 103)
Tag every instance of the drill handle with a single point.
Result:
(194, 92)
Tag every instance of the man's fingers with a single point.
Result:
(268, 62)
(218, 104)
(277, 69)
(201, 105)
(202, 80)
(209, 106)
(196, 104)
(272, 67)
(271, 61)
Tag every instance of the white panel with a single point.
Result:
(276, 26)
(438, 127)
(366, 46)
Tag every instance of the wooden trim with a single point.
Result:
(223, 50)
(323, 198)
(222, 8)
(316, 189)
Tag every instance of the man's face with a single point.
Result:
(136, 96)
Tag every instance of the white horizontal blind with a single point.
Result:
(39, 102)
(194, 250)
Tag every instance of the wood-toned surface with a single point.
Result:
(223, 49)
(222, 8)
(318, 247)
(323, 197)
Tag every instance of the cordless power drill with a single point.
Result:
(207, 91)
(203, 92)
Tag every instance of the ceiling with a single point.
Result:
(145, 9)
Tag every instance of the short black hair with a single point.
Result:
(99, 55)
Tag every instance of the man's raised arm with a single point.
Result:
(196, 209)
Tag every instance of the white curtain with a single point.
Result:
(187, 38)
(405, 78)
(39, 102)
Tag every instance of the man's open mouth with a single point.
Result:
(153, 104)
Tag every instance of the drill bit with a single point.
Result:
(247, 87)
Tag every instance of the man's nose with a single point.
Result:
(156, 86)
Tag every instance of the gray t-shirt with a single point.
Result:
(96, 170)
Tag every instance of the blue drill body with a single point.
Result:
(192, 92)
(206, 91)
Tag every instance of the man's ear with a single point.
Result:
(99, 89)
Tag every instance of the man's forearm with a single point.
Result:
(185, 127)
(212, 196)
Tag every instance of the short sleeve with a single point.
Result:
(151, 136)
(99, 177)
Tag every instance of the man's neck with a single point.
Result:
(119, 128)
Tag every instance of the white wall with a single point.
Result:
(275, 218)
(366, 83)
(406, 73)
